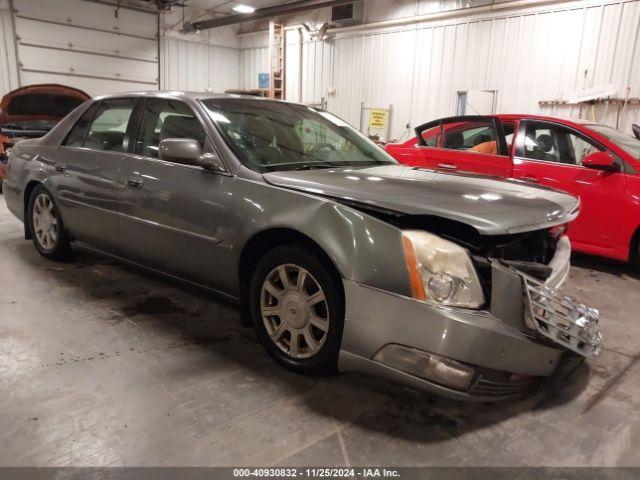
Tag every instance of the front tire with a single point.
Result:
(297, 309)
(46, 227)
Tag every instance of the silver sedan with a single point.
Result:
(340, 258)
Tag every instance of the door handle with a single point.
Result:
(59, 168)
(134, 182)
(529, 179)
(447, 166)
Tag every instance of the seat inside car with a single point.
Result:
(454, 141)
(107, 140)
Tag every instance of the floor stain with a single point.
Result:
(158, 305)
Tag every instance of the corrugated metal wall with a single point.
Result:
(194, 66)
(8, 73)
(528, 55)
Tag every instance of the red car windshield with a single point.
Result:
(626, 142)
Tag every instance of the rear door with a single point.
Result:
(551, 154)
(87, 172)
(465, 144)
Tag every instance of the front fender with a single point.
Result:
(363, 248)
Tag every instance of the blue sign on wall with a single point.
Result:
(263, 80)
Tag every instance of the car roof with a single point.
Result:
(187, 95)
(566, 120)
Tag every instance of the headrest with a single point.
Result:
(544, 142)
(455, 140)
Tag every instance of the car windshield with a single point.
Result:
(270, 136)
(626, 142)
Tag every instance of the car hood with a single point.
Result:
(492, 206)
(40, 102)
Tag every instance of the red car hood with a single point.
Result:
(40, 102)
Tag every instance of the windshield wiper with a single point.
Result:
(315, 166)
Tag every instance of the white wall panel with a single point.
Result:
(189, 65)
(252, 62)
(8, 66)
(84, 45)
(543, 52)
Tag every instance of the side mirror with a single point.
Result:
(188, 151)
(601, 161)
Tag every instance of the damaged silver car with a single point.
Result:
(340, 258)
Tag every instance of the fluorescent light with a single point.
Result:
(243, 9)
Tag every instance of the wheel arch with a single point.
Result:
(30, 187)
(634, 246)
(266, 240)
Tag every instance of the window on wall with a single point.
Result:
(103, 126)
(554, 143)
(165, 118)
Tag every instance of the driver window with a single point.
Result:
(554, 143)
(164, 118)
(581, 148)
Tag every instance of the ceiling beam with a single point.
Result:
(265, 13)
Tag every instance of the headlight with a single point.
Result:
(441, 271)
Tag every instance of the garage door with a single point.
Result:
(87, 45)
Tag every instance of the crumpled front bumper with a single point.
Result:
(376, 318)
(506, 357)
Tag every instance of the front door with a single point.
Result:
(465, 144)
(173, 214)
(551, 154)
(87, 173)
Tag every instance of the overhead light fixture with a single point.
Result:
(243, 9)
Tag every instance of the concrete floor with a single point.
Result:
(101, 364)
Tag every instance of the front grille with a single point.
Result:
(560, 318)
(494, 388)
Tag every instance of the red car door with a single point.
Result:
(410, 153)
(551, 154)
(466, 144)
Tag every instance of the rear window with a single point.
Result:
(42, 104)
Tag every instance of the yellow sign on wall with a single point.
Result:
(378, 118)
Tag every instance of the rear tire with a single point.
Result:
(297, 309)
(46, 227)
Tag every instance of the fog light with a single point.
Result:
(426, 365)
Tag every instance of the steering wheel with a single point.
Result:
(323, 146)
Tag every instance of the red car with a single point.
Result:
(30, 112)
(594, 162)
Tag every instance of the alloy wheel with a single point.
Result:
(294, 311)
(45, 222)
